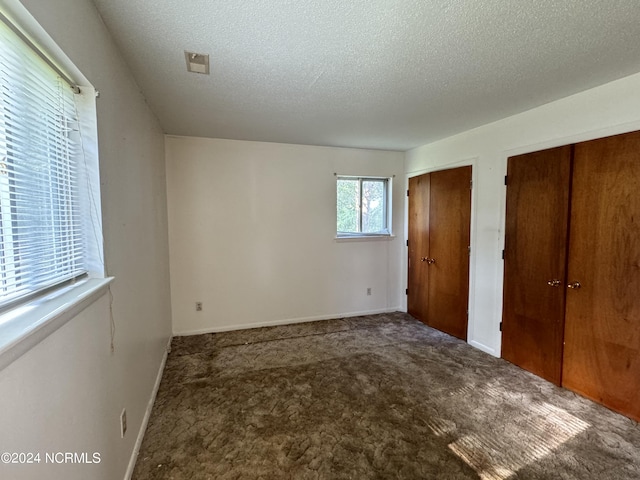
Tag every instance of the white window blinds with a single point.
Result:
(42, 240)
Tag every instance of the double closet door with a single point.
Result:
(571, 311)
(439, 232)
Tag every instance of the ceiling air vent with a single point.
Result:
(197, 62)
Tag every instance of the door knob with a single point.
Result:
(574, 285)
(554, 283)
(431, 261)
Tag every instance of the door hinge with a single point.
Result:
(407, 193)
(503, 254)
(406, 292)
(471, 185)
(505, 179)
(407, 243)
(469, 250)
(500, 326)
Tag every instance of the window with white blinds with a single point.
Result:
(42, 226)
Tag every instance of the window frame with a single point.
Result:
(43, 233)
(387, 231)
(35, 318)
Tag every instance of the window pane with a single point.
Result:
(348, 205)
(42, 242)
(373, 206)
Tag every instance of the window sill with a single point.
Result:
(364, 238)
(24, 327)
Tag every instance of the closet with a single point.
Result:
(571, 311)
(439, 233)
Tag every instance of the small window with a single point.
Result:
(363, 206)
(44, 179)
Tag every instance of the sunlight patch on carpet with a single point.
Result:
(536, 433)
(441, 427)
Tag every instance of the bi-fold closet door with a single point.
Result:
(571, 311)
(439, 236)
(535, 258)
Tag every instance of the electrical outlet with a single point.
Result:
(123, 422)
(198, 306)
(369, 291)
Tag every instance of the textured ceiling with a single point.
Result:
(385, 74)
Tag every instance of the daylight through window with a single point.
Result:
(363, 206)
(42, 175)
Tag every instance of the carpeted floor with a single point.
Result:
(371, 397)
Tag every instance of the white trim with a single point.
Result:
(365, 177)
(39, 318)
(594, 134)
(473, 236)
(352, 238)
(289, 321)
(147, 414)
(473, 245)
(436, 168)
(484, 348)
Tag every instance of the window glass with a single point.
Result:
(348, 205)
(42, 234)
(373, 206)
(362, 206)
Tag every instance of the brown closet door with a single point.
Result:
(602, 333)
(535, 259)
(449, 240)
(418, 247)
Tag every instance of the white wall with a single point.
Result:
(610, 109)
(66, 394)
(251, 233)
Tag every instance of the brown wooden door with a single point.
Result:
(449, 241)
(439, 239)
(535, 258)
(418, 247)
(602, 332)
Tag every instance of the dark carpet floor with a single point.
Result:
(376, 397)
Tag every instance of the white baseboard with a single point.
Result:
(288, 321)
(484, 348)
(147, 415)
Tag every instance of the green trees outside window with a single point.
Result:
(362, 206)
